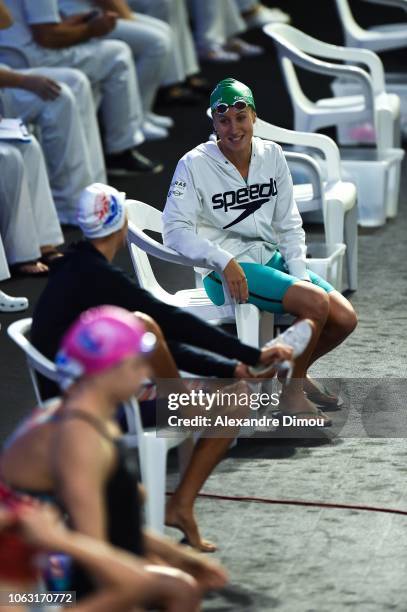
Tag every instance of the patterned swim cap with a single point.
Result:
(101, 210)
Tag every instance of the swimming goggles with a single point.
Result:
(221, 108)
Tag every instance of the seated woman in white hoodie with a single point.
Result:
(231, 205)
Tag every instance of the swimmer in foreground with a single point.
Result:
(29, 530)
(73, 451)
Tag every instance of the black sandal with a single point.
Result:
(50, 256)
(17, 269)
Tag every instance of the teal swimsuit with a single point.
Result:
(267, 284)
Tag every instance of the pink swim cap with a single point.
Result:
(98, 340)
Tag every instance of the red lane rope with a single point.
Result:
(297, 502)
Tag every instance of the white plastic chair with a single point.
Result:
(153, 446)
(328, 193)
(296, 48)
(379, 38)
(37, 363)
(253, 327)
(377, 172)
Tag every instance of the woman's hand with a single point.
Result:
(272, 354)
(45, 88)
(236, 281)
(41, 525)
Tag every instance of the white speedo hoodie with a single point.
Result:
(212, 215)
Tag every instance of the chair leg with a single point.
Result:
(266, 327)
(153, 463)
(351, 241)
(248, 323)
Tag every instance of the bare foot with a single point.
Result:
(184, 520)
(318, 394)
(297, 404)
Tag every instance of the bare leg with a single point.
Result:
(180, 509)
(334, 324)
(304, 300)
(206, 454)
(341, 321)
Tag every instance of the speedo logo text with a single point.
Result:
(247, 199)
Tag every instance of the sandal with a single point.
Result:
(20, 269)
(321, 396)
(50, 256)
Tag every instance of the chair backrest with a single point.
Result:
(143, 217)
(296, 47)
(37, 363)
(351, 29)
(318, 142)
(377, 39)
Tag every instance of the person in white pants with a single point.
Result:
(45, 40)
(8, 303)
(151, 42)
(216, 23)
(183, 63)
(28, 220)
(59, 102)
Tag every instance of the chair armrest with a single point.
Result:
(320, 142)
(155, 249)
(311, 166)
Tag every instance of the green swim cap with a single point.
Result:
(229, 91)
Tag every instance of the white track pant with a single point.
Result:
(110, 68)
(152, 45)
(4, 271)
(28, 219)
(183, 62)
(215, 21)
(246, 5)
(69, 134)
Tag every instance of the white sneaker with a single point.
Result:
(265, 15)
(153, 132)
(12, 304)
(296, 337)
(160, 120)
